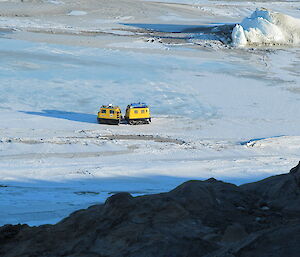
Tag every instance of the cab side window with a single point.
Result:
(136, 111)
(111, 112)
(103, 111)
(142, 111)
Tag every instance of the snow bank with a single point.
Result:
(265, 27)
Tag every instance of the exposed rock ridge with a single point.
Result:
(198, 218)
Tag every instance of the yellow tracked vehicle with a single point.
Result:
(109, 114)
(137, 113)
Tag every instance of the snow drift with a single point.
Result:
(265, 27)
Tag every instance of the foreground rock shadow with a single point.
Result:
(196, 219)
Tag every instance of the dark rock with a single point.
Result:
(198, 218)
(277, 242)
(281, 191)
(233, 233)
(296, 169)
(10, 231)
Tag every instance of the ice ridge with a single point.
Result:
(265, 27)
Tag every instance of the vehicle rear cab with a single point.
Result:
(109, 114)
(137, 113)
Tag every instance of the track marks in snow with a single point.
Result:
(81, 146)
(92, 139)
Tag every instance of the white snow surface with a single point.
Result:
(265, 27)
(229, 113)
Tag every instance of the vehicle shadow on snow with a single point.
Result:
(73, 116)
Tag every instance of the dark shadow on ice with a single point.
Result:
(178, 28)
(258, 139)
(73, 116)
(219, 30)
(172, 28)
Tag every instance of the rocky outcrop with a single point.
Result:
(281, 192)
(198, 218)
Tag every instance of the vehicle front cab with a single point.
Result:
(109, 114)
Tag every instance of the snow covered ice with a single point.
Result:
(218, 111)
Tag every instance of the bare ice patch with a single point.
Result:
(77, 13)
